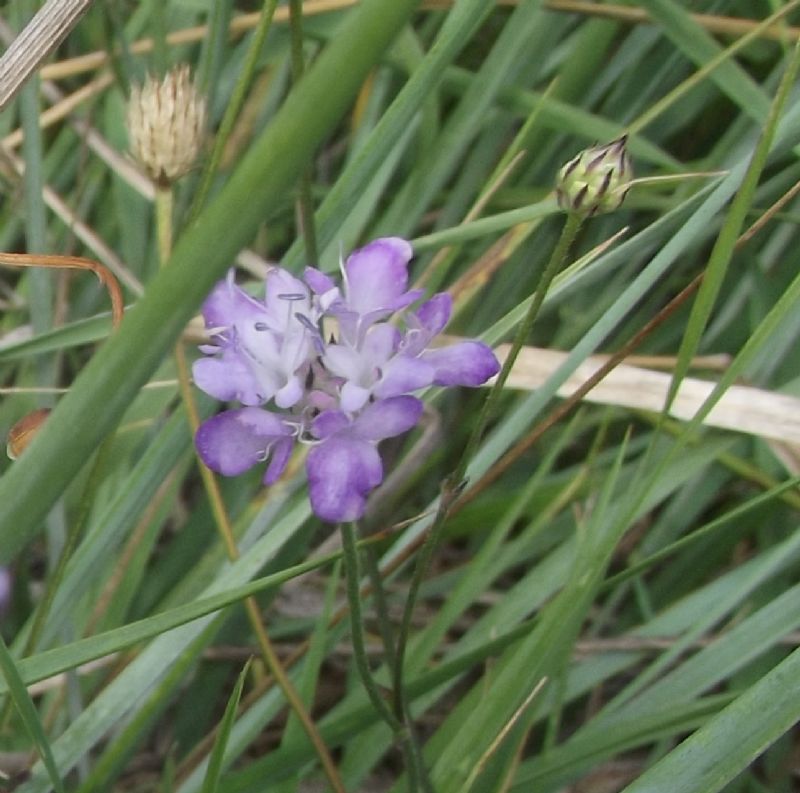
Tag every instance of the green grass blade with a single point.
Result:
(27, 712)
(214, 770)
(711, 757)
(726, 241)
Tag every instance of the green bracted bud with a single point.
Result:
(597, 180)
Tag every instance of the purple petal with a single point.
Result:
(469, 363)
(341, 473)
(388, 417)
(377, 275)
(236, 440)
(228, 378)
(328, 423)
(403, 374)
(434, 314)
(281, 451)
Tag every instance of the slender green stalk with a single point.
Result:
(568, 233)
(452, 486)
(381, 607)
(163, 205)
(401, 732)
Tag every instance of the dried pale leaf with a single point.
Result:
(742, 408)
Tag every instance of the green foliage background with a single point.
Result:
(615, 610)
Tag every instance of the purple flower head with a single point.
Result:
(342, 392)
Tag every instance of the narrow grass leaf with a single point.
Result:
(28, 714)
(713, 756)
(215, 762)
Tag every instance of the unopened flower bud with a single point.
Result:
(166, 124)
(597, 180)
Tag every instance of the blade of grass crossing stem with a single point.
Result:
(112, 378)
(721, 749)
(724, 247)
(339, 726)
(51, 662)
(72, 334)
(214, 771)
(28, 714)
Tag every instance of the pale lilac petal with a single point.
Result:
(228, 304)
(469, 363)
(343, 361)
(434, 314)
(353, 397)
(285, 297)
(319, 282)
(380, 344)
(403, 374)
(290, 394)
(280, 283)
(328, 423)
(228, 378)
(388, 417)
(377, 275)
(341, 473)
(236, 440)
(369, 317)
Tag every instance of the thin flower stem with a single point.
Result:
(163, 204)
(381, 607)
(453, 484)
(568, 233)
(353, 578)
(353, 585)
(305, 201)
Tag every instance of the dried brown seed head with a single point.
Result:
(166, 124)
